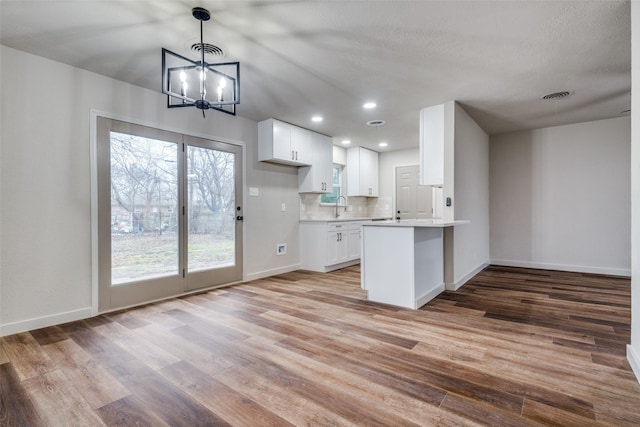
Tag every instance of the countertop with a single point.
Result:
(416, 223)
(340, 219)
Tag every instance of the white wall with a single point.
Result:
(45, 193)
(560, 197)
(470, 200)
(633, 350)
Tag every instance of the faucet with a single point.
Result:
(338, 202)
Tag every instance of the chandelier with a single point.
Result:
(197, 83)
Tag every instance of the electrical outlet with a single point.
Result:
(254, 191)
(284, 207)
(281, 248)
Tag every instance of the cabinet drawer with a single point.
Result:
(337, 226)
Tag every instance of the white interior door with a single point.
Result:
(412, 199)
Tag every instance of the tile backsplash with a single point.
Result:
(357, 207)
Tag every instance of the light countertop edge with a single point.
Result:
(417, 223)
(379, 219)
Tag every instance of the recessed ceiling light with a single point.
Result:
(346, 142)
(382, 144)
(369, 105)
(316, 118)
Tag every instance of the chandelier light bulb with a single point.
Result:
(223, 82)
(183, 76)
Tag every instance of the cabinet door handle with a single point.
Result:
(296, 155)
(292, 157)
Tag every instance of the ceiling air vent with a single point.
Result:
(557, 95)
(375, 123)
(209, 49)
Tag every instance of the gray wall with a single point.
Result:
(633, 350)
(470, 199)
(560, 197)
(45, 185)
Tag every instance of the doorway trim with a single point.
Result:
(93, 153)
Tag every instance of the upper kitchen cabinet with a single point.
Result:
(280, 142)
(432, 123)
(362, 172)
(317, 178)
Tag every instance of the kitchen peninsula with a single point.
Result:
(402, 262)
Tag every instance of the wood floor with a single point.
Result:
(512, 347)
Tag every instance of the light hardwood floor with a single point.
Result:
(512, 347)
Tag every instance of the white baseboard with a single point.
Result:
(266, 273)
(458, 283)
(634, 361)
(423, 299)
(564, 267)
(43, 322)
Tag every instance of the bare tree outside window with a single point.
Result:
(144, 208)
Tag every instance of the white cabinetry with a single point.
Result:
(280, 142)
(337, 243)
(362, 172)
(317, 178)
(353, 242)
(327, 246)
(432, 145)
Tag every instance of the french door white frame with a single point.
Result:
(93, 149)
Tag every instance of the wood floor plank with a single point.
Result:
(58, 402)
(359, 389)
(511, 347)
(3, 356)
(237, 408)
(101, 349)
(130, 412)
(49, 335)
(26, 355)
(152, 355)
(280, 400)
(16, 407)
(95, 384)
(163, 399)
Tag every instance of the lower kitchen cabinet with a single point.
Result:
(328, 246)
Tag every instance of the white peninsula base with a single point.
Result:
(402, 262)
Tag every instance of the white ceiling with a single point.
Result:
(300, 58)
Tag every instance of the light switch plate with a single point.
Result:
(253, 191)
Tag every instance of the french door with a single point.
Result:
(169, 213)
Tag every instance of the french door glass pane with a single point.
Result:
(144, 202)
(211, 208)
